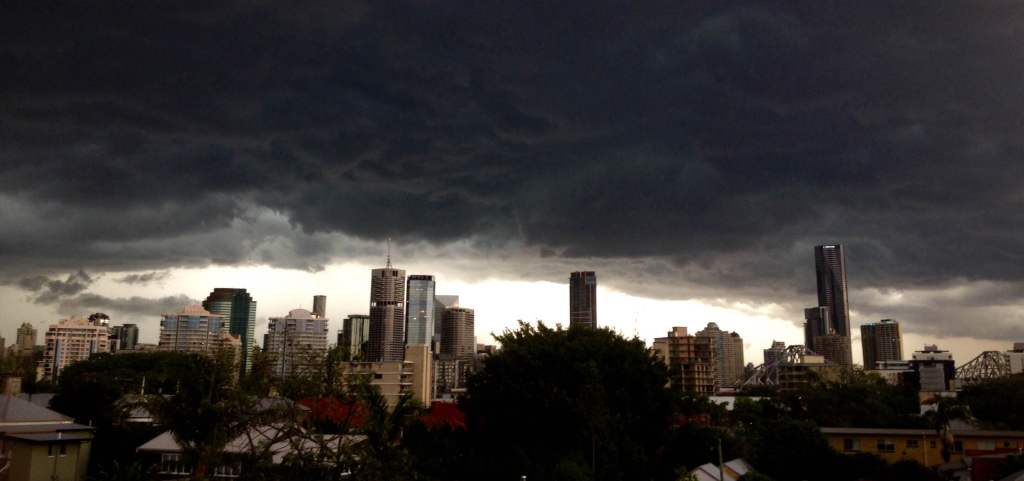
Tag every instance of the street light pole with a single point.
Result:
(721, 464)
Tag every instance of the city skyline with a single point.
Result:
(654, 316)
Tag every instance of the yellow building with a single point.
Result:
(37, 444)
(921, 445)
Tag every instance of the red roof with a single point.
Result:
(442, 413)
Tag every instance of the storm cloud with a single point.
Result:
(709, 145)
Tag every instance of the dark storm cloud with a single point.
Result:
(47, 291)
(725, 138)
(130, 306)
(144, 278)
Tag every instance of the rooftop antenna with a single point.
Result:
(389, 253)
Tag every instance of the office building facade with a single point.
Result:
(420, 310)
(583, 299)
(72, 340)
(355, 336)
(881, 341)
(728, 354)
(935, 369)
(295, 342)
(387, 315)
(457, 336)
(25, 341)
(239, 309)
(830, 266)
(774, 353)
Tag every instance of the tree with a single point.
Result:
(565, 404)
(998, 403)
(946, 410)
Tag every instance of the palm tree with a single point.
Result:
(946, 411)
(382, 456)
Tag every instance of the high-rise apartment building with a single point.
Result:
(457, 338)
(354, 336)
(196, 330)
(881, 341)
(25, 342)
(583, 299)
(72, 340)
(387, 315)
(774, 353)
(690, 360)
(239, 309)
(294, 342)
(320, 306)
(728, 354)
(420, 310)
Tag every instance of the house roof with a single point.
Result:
(733, 470)
(279, 447)
(53, 436)
(923, 432)
(14, 410)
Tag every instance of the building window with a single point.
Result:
(913, 444)
(63, 449)
(170, 463)
(958, 446)
(851, 444)
(987, 445)
(931, 444)
(49, 451)
(886, 446)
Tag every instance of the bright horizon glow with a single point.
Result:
(499, 305)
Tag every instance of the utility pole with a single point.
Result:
(721, 463)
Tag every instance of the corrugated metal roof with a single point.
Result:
(15, 410)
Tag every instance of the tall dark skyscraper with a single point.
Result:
(830, 265)
(387, 315)
(239, 308)
(827, 328)
(583, 299)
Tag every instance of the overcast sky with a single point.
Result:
(692, 153)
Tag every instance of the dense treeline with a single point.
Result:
(553, 404)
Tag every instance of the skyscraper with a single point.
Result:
(320, 306)
(442, 302)
(817, 322)
(827, 331)
(239, 308)
(728, 354)
(129, 337)
(387, 315)
(881, 341)
(25, 342)
(354, 336)
(773, 353)
(294, 341)
(420, 310)
(457, 337)
(583, 299)
(830, 265)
